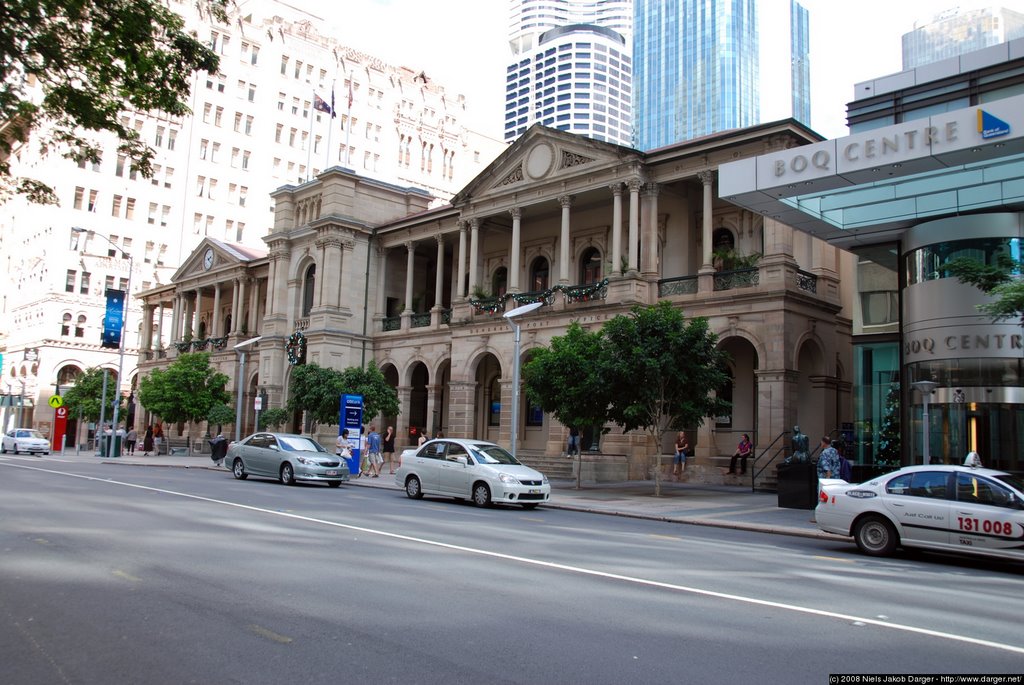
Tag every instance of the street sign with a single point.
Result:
(56, 401)
(258, 403)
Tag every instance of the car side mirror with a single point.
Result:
(462, 460)
(275, 448)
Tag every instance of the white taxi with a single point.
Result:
(471, 469)
(24, 440)
(943, 508)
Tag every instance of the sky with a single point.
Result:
(462, 44)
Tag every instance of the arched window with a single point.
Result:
(590, 266)
(307, 289)
(80, 326)
(539, 273)
(68, 375)
(499, 282)
(201, 335)
(227, 324)
(494, 411)
(65, 325)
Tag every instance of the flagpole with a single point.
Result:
(309, 141)
(330, 128)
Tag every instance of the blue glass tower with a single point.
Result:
(702, 66)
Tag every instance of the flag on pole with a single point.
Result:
(350, 94)
(321, 106)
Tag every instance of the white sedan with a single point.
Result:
(942, 508)
(471, 469)
(25, 440)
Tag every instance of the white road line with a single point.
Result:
(561, 567)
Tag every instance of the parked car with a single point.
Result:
(944, 508)
(471, 469)
(24, 440)
(286, 457)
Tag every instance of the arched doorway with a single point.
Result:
(419, 377)
(488, 398)
(742, 393)
(810, 393)
(534, 424)
(441, 397)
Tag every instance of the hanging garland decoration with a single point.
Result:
(219, 343)
(183, 346)
(296, 348)
(571, 293)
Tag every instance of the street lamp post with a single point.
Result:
(240, 390)
(510, 318)
(926, 388)
(124, 334)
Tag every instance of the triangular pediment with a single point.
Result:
(539, 156)
(212, 255)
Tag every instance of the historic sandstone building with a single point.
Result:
(364, 270)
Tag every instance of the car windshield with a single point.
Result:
(30, 434)
(492, 454)
(1014, 482)
(294, 443)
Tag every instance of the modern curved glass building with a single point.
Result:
(572, 68)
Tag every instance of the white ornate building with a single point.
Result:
(254, 129)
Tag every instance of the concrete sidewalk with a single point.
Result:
(721, 506)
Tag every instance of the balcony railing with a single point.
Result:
(392, 323)
(738, 278)
(201, 345)
(684, 285)
(420, 320)
(302, 324)
(446, 316)
(806, 281)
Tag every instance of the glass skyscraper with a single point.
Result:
(958, 31)
(703, 66)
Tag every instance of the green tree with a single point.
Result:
(274, 418)
(379, 398)
(568, 378)
(663, 370)
(316, 390)
(889, 432)
(83, 399)
(219, 415)
(187, 390)
(69, 69)
(1000, 279)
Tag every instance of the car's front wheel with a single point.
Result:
(875, 536)
(16, 451)
(238, 470)
(481, 495)
(413, 489)
(287, 474)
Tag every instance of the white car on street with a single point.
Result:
(25, 440)
(471, 469)
(937, 507)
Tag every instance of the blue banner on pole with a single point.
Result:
(351, 417)
(113, 320)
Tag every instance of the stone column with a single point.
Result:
(461, 409)
(410, 265)
(707, 178)
(147, 327)
(234, 307)
(215, 323)
(280, 294)
(382, 266)
(460, 287)
(634, 223)
(439, 273)
(241, 306)
(270, 300)
(616, 189)
(199, 312)
(190, 313)
(649, 255)
(160, 328)
(321, 273)
(563, 241)
(175, 317)
(474, 253)
(513, 270)
(431, 428)
(404, 404)
(254, 301)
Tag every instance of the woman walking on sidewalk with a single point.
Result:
(147, 441)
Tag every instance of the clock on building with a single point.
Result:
(208, 259)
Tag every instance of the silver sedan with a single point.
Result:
(286, 457)
(25, 440)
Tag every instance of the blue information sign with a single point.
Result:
(351, 417)
(113, 320)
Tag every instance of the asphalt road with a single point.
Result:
(122, 574)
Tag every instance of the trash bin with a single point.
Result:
(797, 486)
(104, 444)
